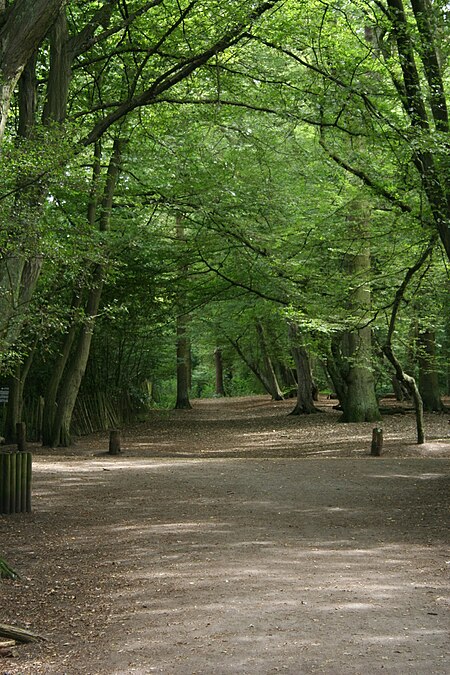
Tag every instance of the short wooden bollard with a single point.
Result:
(21, 436)
(15, 482)
(114, 442)
(377, 442)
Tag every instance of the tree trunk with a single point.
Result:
(15, 399)
(336, 369)
(24, 25)
(405, 379)
(428, 374)
(183, 371)
(220, 389)
(18, 279)
(305, 388)
(360, 402)
(270, 376)
(411, 386)
(74, 373)
(51, 392)
(76, 368)
(14, 406)
(183, 364)
(20, 272)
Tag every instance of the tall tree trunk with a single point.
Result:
(412, 388)
(183, 364)
(51, 392)
(19, 273)
(405, 379)
(183, 371)
(427, 109)
(218, 362)
(428, 374)
(15, 398)
(252, 366)
(273, 386)
(305, 386)
(335, 368)
(359, 403)
(24, 24)
(20, 270)
(76, 368)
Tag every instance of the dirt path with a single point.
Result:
(234, 539)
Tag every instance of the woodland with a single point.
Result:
(201, 201)
(208, 198)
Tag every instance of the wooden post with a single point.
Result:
(19, 473)
(377, 442)
(114, 442)
(15, 482)
(28, 459)
(23, 482)
(21, 435)
(6, 482)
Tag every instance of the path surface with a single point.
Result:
(176, 559)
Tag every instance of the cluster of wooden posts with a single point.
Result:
(15, 476)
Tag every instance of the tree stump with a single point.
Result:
(377, 442)
(114, 442)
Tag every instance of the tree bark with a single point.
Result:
(359, 403)
(428, 374)
(305, 401)
(405, 379)
(412, 389)
(219, 388)
(251, 365)
(183, 364)
(270, 377)
(183, 371)
(15, 399)
(24, 25)
(51, 392)
(74, 373)
(434, 174)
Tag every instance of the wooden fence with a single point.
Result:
(92, 413)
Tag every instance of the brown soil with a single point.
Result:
(236, 539)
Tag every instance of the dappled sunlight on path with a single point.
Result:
(182, 565)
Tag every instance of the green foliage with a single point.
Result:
(263, 150)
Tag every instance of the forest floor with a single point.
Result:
(235, 539)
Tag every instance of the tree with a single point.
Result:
(108, 56)
(218, 363)
(23, 26)
(388, 88)
(305, 387)
(74, 371)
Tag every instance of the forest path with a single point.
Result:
(174, 558)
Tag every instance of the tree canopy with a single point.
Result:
(269, 178)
